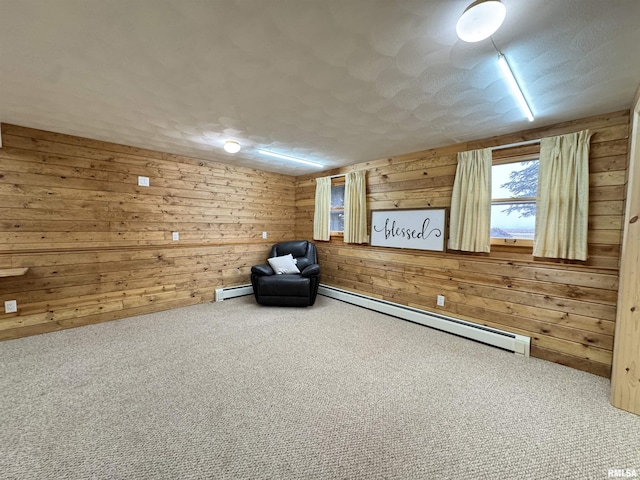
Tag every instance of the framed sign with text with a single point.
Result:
(421, 229)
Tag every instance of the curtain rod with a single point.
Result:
(338, 175)
(516, 144)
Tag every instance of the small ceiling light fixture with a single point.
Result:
(480, 20)
(291, 159)
(231, 146)
(513, 85)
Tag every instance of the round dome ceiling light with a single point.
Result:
(480, 20)
(231, 146)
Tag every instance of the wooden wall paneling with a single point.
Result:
(567, 308)
(625, 377)
(99, 246)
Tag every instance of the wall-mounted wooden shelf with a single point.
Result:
(13, 272)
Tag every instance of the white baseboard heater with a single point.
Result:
(231, 292)
(512, 342)
(519, 344)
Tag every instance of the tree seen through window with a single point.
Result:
(513, 207)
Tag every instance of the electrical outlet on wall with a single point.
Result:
(175, 236)
(264, 234)
(143, 181)
(440, 301)
(10, 306)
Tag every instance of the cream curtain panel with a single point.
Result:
(470, 218)
(562, 206)
(355, 207)
(323, 207)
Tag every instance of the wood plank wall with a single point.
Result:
(625, 375)
(99, 247)
(568, 309)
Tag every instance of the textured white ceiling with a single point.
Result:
(334, 81)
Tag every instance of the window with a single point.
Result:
(336, 215)
(513, 201)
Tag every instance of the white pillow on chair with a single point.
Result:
(285, 264)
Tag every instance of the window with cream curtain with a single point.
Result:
(322, 208)
(470, 217)
(562, 215)
(355, 207)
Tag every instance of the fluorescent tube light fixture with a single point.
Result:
(291, 159)
(513, 85)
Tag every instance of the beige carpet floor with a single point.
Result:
(232, 390)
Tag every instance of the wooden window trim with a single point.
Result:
(515, 155)
(515, 159)
(512, 242)
(337, 182)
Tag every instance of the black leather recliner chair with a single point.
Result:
(288, 290)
